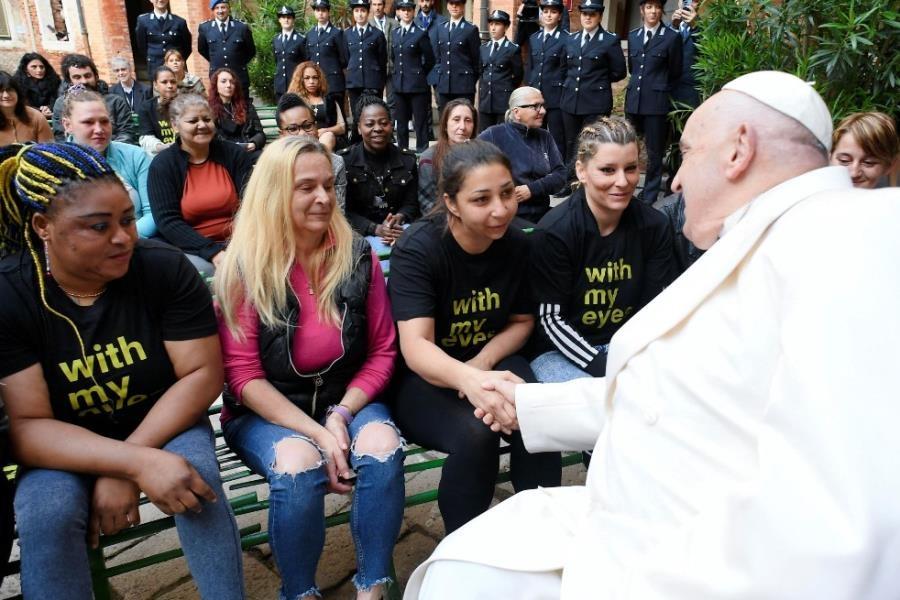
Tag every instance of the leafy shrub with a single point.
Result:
(847, 49)
(261, 17)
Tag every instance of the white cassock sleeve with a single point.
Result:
(822, 519)
(561, 416)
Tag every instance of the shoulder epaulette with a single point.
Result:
(343, 151)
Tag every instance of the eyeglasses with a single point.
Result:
(537, 106)
(306, 126)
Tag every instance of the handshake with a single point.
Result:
(493, 394)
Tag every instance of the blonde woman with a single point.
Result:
(309, 346)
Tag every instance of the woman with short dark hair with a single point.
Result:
(19, 122)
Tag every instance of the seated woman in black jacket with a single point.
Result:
(39, 82)
(382, 179)
(602, 257)
(236, 119)
(537, 166)
(195, 184)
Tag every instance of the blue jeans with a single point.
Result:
(52, 512)
(553, 367)
(297, 502)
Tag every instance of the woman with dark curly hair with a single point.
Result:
(310, 84)
(236, 119)
(18, 122)
(39, 82)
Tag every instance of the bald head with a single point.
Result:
(736, 148)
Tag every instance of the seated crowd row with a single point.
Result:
(112, 350)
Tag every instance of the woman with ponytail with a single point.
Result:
(109, 359)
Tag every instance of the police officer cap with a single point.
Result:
(499, 15)
(405, 4)
(660, 2)
(456, 1)
(321, 4)
(285, 11)
(212, 3)
(359, 4)
(591, 6)
(551, 4)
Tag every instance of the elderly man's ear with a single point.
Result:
(742, 152)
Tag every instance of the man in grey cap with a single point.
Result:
(745, 433)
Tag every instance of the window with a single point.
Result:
(5, 30)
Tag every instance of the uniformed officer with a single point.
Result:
(158, 31)
(289, 48)
(594, 60)
(413, 59)
(226, 42)
(385, 25)
(546, 67)
(428, 19)
(325, 47)
(654, 60)
(501, 72)
(458, 54)
(366, 50)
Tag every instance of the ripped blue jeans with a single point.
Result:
(297, 507)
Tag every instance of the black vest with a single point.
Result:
(314, 392)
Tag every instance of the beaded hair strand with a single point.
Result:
(31, 179)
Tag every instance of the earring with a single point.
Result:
(47, 258)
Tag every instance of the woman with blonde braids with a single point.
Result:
(109, 359)
(309, 348)
(603, 256)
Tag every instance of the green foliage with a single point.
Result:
(261, 17)
(848, 49)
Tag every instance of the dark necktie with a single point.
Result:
(649, 37)
(494, 47)
(222, 28)
(586, 40)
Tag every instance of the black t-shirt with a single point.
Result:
(469, 296)
(161, 298)
(586, 285)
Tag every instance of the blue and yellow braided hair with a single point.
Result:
(32, 178)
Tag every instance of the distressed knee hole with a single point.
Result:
(377, 439)
(295, 455)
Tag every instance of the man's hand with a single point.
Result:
(686, 14)
(506, 388)
(114, 507)
(502, 413)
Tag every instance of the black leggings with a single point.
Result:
(437, 418)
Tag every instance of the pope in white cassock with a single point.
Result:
(747, 435)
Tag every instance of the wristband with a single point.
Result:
(343, 411)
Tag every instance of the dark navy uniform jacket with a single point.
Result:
(546, 68)
(413, 59)
(155, 36)
(329, 52)
(288, 54)
(367, 58)
(590, 73)
(654, 72)
(686, 88)
(233, 50)
(501, 73)
(458, 57)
